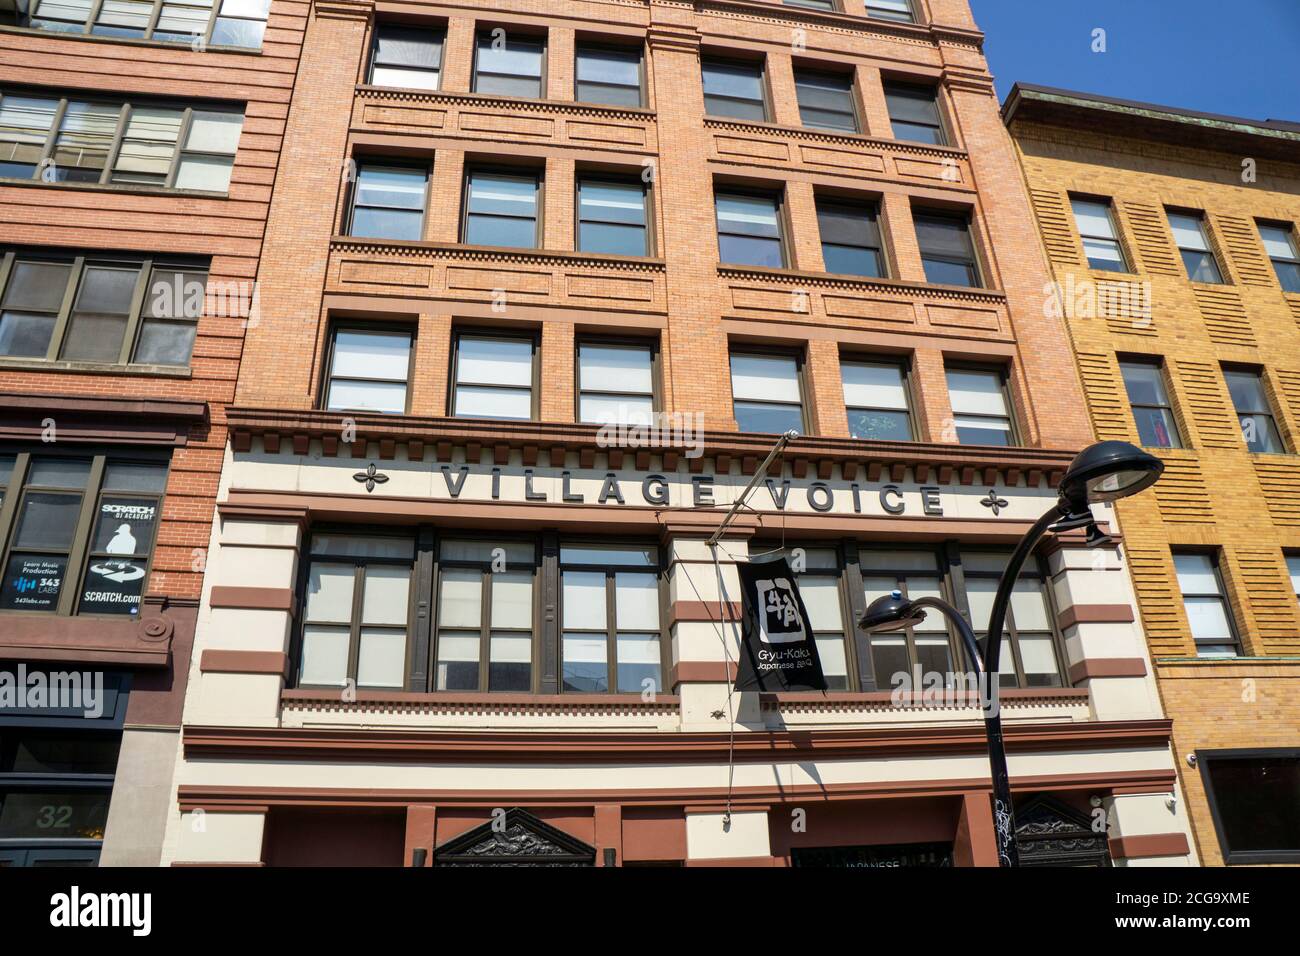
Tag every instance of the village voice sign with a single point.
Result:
(777, 650)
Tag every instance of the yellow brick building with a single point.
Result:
(1173, 239)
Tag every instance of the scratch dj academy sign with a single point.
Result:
(466, 482)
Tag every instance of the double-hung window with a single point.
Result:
(609, 75)
(99, 308)
(77, 530)
(609, 609)
(388, 202)
(734, 88)
(1030, 655)
(947, 253)
(766, 392)
(1293, 570)
(1279, 243)
(1152, 412)
(980, 411)
(612, 216)
(826, 100)
(1208, 613)
(850, 234)
(507, 63)
(357, 614)
(406, 57)
(369, 370)
(1254, 413)
(876, 398)
(1194, 246)
(914, 113)
(486, 615)
(749, 229)
(1096, 227)
(615, 382)
(926, 645)
(899, 11)
(139, 143)
(211, 23)
(501, 209)
(494, 376)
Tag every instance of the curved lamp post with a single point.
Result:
(1106, 471)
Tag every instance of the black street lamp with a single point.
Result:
(1102, 472)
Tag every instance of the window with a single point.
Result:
(1252, 796)
(486, 615)
(356, 622)
(899, 10)
(368, 370)
(388, 202)
(1258, 427)
(811, 4)
(1279, 243)
(501, 209)
(608, 75)
(615, 383)
(749, 229)
(1030, 655)
(826, 100)
(609, 606)
(1292, 567)
(733, 88)
(850, 234)
(612, 216)
(927, 645)
(979, 406)
(766, 393)
(92, 517)
(232, 23)
(406, 57)
(1097, 230)
(509, 64)
(875, 394)
(914, 113)
(818, 574)
(1189, 236)
(137, 144)
(946, 250)
(100, 309)
(493, 377)
(1152, 413)
(1208, 613)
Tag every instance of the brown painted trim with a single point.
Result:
(451, 699)
(123, 640)
(722, 807)
(1094, 667)
(598, 747)
(105, 406)
(703, 611)
(735, 861)
(228, 799)
(1095, 614)
(1149, 845)
(252, 599)
(253, 513)
(244, 662)
(702, 672)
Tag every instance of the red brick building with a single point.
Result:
(139, 145)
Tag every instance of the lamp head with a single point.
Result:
(1107, 471)
(893, 612)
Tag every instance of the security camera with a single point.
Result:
(1191, 760)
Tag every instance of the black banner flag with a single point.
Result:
(777, 648)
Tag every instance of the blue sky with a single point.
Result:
(1241, 57)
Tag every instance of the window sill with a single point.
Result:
(117, 188)
(95, 368)
(508, 102)
(131, 41)
(486, 700)
(894, 285)
(465, 250)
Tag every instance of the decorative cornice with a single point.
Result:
(370, 745)
(517, 104)
(318, 700)
(822, 280)
(495, 254)
(944, 463)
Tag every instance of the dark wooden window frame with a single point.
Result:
(81, 546)
(918, 83)
(533, 35)
(206, 36)
(135, 319)
(354, 189)
(1118, 238)
(764, 84)
(827, 70)
(967, 215)
(533, 336)
(539, 177)
(435, 30)
(904, 363)
(581, 44)
(872, 204)
(1034, 570)
(1216, 558)
(410, 329)
(778, 196)
(1004, 376)
(648, 342)
(801, 375)
(1266, 412)
(1211, 246)
(597, 176)
(1156, 362)
(912, 9)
